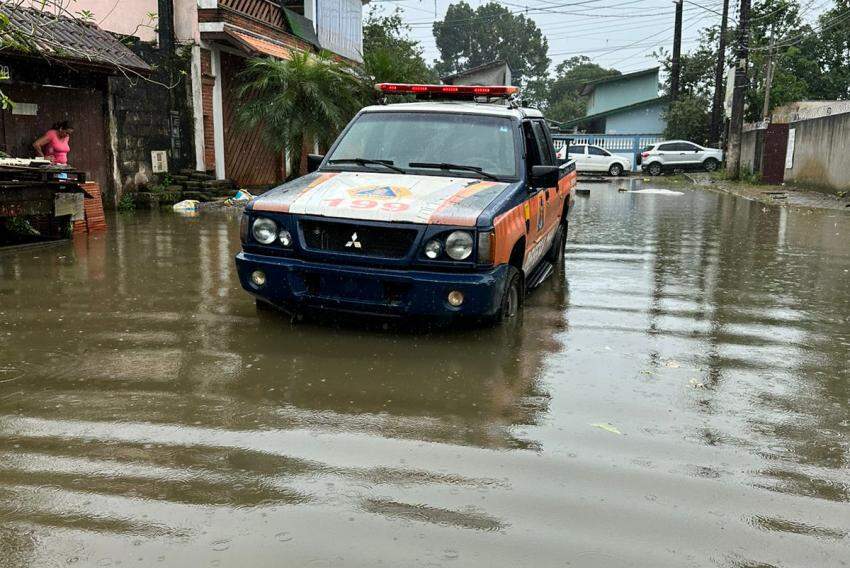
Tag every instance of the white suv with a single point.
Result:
(672, 155)
(590, 158)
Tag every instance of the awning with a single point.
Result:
(251, 44)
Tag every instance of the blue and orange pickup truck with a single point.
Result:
(450, 206)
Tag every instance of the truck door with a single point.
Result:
(541, 201)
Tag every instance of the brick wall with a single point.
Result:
(253, 25)
(150, 114)
(207, 85)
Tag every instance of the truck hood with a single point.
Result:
(374, 196)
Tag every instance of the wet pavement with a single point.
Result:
(679, 396)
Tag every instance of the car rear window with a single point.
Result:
(648, 148)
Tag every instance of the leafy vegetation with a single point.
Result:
(299, 102)
(468, 37)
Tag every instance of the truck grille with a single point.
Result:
(383, 242)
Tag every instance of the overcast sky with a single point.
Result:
(615, 33)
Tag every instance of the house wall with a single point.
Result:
(645, 120)
(150, 115)
(617, 94)
(339, 25)
(822, 153)
(126, 17)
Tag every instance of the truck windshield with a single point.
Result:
(402, 138)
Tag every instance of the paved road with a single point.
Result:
(678, 397)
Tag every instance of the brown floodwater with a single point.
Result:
(679, 396)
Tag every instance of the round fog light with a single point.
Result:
(258, 277)
(455, 298)
(285, 237)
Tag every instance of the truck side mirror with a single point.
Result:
(544, 176)
(314, 161)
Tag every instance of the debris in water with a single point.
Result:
(607, 427)
(656, 191)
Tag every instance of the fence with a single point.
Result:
(629, 145)
(814, 152)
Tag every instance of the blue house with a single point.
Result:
(623, 104)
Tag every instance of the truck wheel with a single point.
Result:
(654, 169)
(710, 165)
(511, 307)
(556, 251)
(615, 170)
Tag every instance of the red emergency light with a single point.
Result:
(447, 91)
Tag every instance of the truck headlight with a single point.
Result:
(264, 230)
(459, 245)
(433, 248)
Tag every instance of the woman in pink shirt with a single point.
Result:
(54, 145)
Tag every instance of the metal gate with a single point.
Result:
(773, 155)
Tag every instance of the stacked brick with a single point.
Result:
(95, 220)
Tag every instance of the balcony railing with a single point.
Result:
(267, 11)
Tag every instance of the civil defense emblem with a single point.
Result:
(379, 191)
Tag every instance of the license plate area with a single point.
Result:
(346, 288)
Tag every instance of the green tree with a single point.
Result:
(469, 37)
(563, 100)
(687, 119)
(298, 102)
(389, 54)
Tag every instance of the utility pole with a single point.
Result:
(716, 125)
(675, 64)
(736, 122)
(768, 80)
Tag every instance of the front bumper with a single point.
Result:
(297, 284)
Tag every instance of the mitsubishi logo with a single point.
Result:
(354, 242)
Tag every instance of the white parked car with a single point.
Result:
(671, 155)
(590, 158)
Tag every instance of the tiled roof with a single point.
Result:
(254, 44)
(65, 38)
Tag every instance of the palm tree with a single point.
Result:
(299, 102)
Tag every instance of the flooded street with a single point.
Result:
(679, 396)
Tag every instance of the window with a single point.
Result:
(403, 137)
(594, 151)
(577, 149)
(648, 148)
(667, 147)
(544, 148)
(686, 147)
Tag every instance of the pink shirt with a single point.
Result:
(57, 147)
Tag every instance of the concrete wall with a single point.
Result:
(645, 120)
(150, 115)
(752, 144)
(127, 17)
(622, 93)
(822, 153)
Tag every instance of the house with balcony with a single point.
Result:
(219, 36)
(623, 104)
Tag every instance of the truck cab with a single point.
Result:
(448, 207)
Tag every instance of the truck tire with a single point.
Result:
(555, 255)
(511, 307)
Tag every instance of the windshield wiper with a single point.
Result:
(368, 162)
(459, 167)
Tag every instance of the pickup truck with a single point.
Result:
(452, 206)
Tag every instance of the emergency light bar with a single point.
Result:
(447, 91)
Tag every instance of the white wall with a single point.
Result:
(129, 17)
(340, 27)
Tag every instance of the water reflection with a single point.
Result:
(145, 403)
